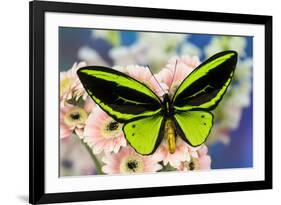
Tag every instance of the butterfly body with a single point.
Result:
(148, 119)
(170, 135)
(169, 126)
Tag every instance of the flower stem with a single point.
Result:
(168, 167)
(94, 158)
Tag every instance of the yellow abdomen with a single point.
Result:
(170, 135)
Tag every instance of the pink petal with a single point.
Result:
(205, 162)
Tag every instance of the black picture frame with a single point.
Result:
(37, 194)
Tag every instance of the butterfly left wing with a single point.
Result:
(145, 134)
(201, 92)
(119, 95)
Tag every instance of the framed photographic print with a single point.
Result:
(140, 102)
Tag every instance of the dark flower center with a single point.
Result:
(67, 164)
(132, 165)
(75, 116)
(191, 166)
(113, 126)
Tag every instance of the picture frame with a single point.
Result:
(38, 143)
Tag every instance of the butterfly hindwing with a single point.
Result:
(145, 134)
(206, 85)
(119, 95)
(194, 126)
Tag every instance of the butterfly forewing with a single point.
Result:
(121, 96)
(206, 85)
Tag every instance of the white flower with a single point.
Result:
(167, 41)
(126, 55)
(112, 37)
(91, 56)
(161, 46)
(243, 69)
(222, 43)
(190, 49)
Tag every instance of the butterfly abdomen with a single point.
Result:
(170, 135)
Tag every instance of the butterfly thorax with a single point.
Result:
(167, 108)
(169, 130)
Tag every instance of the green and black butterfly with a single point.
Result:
(148, 119)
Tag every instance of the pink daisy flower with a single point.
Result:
(181, 153)
(127, 161)
(143, 75)
(89, 104)
(199, 159)
(70, 86)
(177, 69)
(102, 133)
(72, 119)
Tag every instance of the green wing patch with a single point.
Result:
(194, 126)
(206, 85)
(145, 134)
(121, 96)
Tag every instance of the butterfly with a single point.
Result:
(148, 119)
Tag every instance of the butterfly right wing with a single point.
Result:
(194, 126)
(201, 92)
(119, 95)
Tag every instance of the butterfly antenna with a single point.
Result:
(155, 79)
(173, 74)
